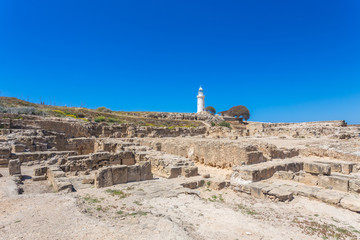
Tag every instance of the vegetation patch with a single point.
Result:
(244, 209)
(100, 119)
(324, 230)
(91, 199)
(225, 124)
(139, 213)
(215, 198)
(117, 192)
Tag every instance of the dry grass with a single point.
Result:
(110, 117)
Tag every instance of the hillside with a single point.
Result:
(101, 114)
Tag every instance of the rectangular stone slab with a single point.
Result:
(134, 173)
(119, 174)
(334, 182)
(317, 168)
(104, 177)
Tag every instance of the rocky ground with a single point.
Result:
(163, 209)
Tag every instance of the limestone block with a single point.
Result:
(170, 172)
(4, 162)
(140, 156)
(145, 171)
(200, 183)
(40, 171)
(14, 167)
(336, 167)
(134, 173)
(104, 177)
(265, 173)
(39, 178)
(100, 156)
(191, 185)
(284, 175)
(317, 168)
(249, 174)
(189, 171)
(217, 185)
(294, 166)
(354, 185)
(255, 157)
(256, 189)
(63, 184)
(306, 178)
(306, 191)
(119, 174)
(347, 168)
(281, 193)
(329, 196)
(351, 202)
(18, 148)
(334, 182)
(127, 158)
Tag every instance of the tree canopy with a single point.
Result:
(238, 111)
(210, 109)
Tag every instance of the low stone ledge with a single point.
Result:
(317, 168)
(58, 180)
(39, 178)
(108, 176)
(328, 196)
(354, 185)
(351, 202)
(40, 171)
(334, 182)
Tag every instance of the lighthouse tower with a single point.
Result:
(200, 100)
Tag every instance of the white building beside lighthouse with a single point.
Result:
(200, 100)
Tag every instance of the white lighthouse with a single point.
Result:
(200, 100)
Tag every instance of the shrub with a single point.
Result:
(225, 124)
(80, 115)
(213, 124)
(113, 120)
(59, 113)
(100, 119)
(103, 109)
(71, 115)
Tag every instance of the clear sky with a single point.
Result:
(289, 60)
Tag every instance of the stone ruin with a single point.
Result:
(319, 160)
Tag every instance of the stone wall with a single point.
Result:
(72, 128)
(211, 152)
(108, 176)
(336, 129)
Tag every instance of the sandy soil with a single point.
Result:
(163, 209)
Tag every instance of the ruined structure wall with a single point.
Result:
(332, 129)
(211, 152)
(335, 129)
(77, 128)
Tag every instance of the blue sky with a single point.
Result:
(285, 60)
